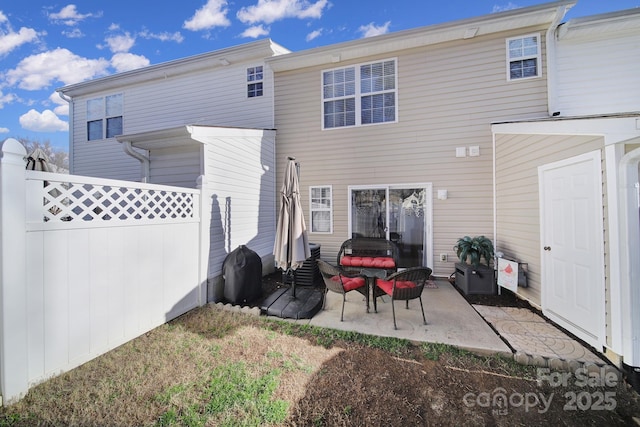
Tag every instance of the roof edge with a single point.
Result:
(422, 36)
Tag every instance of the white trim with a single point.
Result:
(311, 210)
(595, 158)
(428, 212)
(537, 57)
(629, 327)
(614, 129)
(358, 94)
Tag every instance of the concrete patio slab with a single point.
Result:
(450, 320)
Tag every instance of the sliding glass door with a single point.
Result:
(399, 213)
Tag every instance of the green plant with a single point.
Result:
(475, 249)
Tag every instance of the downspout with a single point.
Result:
(144, 160)
(552, 102)
(70, 102)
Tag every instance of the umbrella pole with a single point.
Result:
(292, 272)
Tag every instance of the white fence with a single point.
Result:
(87, 264)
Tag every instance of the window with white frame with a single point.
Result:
(359, 95)
(104, 117)
(321, 209)
(523, 57)
(255, 76)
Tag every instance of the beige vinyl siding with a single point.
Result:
(518, 204)
(448, 95)
(215, 97)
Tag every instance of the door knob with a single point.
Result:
(547, 248)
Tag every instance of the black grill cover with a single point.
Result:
(242, 272)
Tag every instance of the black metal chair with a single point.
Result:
(339, 281)
(403, 285)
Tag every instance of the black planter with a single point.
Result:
(476, 281)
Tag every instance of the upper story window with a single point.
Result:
(321, 201)
(104, 117)
(255, 76)
(359, 95)
(523, 57)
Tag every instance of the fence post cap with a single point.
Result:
(11, 145)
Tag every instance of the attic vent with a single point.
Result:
(470, 33)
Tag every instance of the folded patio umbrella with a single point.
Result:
(37, 160)
(291, 247)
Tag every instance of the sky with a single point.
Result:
(45, 45)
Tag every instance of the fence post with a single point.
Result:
(14, 380)
(204, 244)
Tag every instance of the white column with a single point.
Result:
(13, 294)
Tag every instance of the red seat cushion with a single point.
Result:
(387, 285)
(350, 283)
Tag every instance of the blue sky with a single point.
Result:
(46, 45)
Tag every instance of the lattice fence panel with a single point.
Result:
(71, 201)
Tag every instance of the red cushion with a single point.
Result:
(367, 261)
(350, 283)
(387, 285)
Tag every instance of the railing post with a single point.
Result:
(14, 380)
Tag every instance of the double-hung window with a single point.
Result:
(523, 57)
(321, 209)
(359, 95)
(255, 76)
(104, 117)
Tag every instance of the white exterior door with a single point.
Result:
(572, 256)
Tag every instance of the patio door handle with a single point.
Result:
(547, 248)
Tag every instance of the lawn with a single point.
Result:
(215, 367)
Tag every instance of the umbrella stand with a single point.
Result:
(291, 250)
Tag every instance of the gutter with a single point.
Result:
(70, 102)
(551, 40)
(144, 160)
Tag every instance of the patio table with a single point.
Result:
(372, 274)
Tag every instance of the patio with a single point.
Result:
(452, 320)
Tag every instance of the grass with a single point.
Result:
(211, 367)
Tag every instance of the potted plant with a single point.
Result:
(472, 277)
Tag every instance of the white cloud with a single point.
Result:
(255, 31)
(10, 40)
(120, 43)
(163, 37)
(128, 61)
(371, 29)
(502, 8)
(6, 99)
(313, 35)
(73, 34)
(46, 121)
(269, 11)
(68, 15)
(213, 14)
(4, 130)
(39, 71)
(3, 17)
(62, 108)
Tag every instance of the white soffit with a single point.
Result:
(614, 129)
(190, 135)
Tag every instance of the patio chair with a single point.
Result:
(339, 281)
(404, 285)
